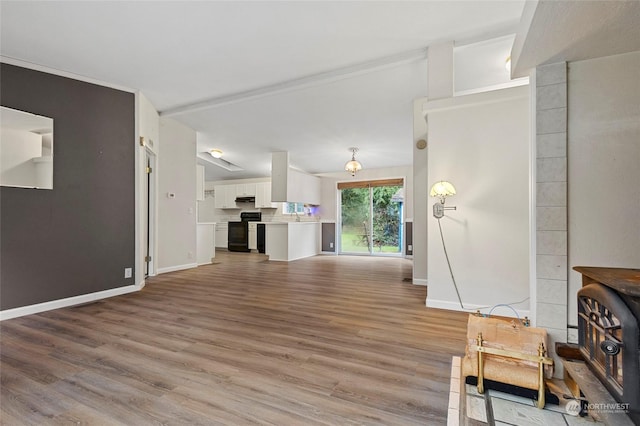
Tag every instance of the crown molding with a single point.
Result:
(36, 67)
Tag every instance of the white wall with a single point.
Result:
(17, 150)
(480, 143)
(604, 171)
(176, 216)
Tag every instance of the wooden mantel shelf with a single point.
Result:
(623, 280)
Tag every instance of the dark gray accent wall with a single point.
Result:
(79, 237)
(328, 237)
(408, 238)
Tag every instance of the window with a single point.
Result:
(292, 208)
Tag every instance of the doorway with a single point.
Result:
(149, 213)
(371, 217)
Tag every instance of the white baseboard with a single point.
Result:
(176, 268)
(471, 308)
(69, 301)
(419, 281)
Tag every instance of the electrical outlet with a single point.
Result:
(190, 255)
(128, 272)
(410, 247)
(330, 245)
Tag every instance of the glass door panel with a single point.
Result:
(387, 219)
(355, 235)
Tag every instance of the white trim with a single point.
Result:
(205, 263)
(533, 224)
(69, 301)
(176, 268)
(518, 92)
(48, 70)
(512, 83)
(419, 281)
(471, 308)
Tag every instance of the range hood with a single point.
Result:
(250, 199)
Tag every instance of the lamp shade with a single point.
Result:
(442, 189)
(353, 165)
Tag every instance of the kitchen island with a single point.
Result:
(286, 241)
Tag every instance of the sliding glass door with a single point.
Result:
(371, 217)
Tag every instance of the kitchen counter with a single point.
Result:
(286, 241)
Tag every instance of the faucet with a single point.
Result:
(297, 217)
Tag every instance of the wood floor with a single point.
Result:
(325, 340)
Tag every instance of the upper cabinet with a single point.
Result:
(245, 189)
(225, 196)
(263, 196)
(199, 182)
(289, 185)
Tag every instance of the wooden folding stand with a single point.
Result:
(540, 359)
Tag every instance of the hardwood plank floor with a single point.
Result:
(325, 340)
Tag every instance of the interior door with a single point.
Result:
(149, 213)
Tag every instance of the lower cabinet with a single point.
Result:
(222, 235)
(253, 236)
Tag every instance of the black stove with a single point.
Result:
(238, 238)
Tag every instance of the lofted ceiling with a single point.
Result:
(309, 77)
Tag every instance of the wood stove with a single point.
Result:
(609, 335)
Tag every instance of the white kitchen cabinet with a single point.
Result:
(245, 190)
(225, 196)
(253, 236)
(263, 196)
(199, 182)
(222, 235)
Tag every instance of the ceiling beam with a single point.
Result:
(302, 82)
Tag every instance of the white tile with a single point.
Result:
(453, 417)
(581, 421)
(551, 96)
(454, 400)
(523, 415)
(513, 398)
(551, 218)
(551, 169)
(455, 361)
(551, 145)
(551, 121)
(551, 194)
(472, 390)
(552, 291)
(551, 242)
(551, 74)
(551, 267)
(572, 335)
(455, 383)
(476, 408)
(551, 316)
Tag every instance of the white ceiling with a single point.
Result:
(311, 78)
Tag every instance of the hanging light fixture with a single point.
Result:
(353, 165)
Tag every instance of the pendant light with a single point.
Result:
(353, 165)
